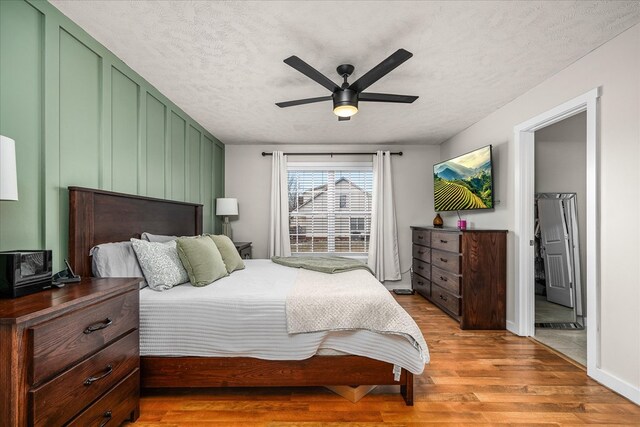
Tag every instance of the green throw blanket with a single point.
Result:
(324, 264)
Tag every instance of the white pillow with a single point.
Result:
(115, 260)
(160, 264)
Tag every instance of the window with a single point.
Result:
(357, 224)
(330, 207)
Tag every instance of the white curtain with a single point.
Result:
(383, 246)
(279, 244)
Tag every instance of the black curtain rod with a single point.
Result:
(398, 153)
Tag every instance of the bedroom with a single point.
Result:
(128, 97)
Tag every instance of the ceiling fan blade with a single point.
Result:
(303, 101)
(381, 70)
(386, 97)
(343, 119)
(311, 72)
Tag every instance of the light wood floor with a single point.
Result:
(474, 378)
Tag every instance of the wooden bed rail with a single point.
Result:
(200, 372)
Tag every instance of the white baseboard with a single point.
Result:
(616, 384)
(403, 283)
(512, 327)
(396, 285)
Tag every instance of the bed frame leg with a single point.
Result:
(406, 389)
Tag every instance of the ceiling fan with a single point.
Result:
(346, 97)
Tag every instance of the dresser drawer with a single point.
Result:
(422, 253)
(445, 299)
(114, 407)
(446, 280)
(447, 241)
(449, 261)
(421, 285)
(63, 341)
(56, 401)
(422, 237)
(422, 268)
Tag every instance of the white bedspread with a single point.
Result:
(350, 300)
(243, 315)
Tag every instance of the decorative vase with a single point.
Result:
(437, 221)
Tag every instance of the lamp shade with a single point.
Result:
(8, 174)
(226, 207)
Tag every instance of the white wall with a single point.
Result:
(615, 67)
(561, 167)
(248, 175)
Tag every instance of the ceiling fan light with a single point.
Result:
(345, 110)
(345, 103)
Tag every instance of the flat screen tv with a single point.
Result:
(464, 182)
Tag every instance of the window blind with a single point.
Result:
(330, 207)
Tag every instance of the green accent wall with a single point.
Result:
(81, 117)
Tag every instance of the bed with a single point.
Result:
(97, 216)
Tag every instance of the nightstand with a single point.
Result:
(71, 355)
(244, 249)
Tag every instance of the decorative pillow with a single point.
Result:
(160, 264)
(116, 260)
(202, 260)
(230, 256)
(158, 238)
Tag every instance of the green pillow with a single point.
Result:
(202, 260)
(230, 255)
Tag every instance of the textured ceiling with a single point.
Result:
(221, 62)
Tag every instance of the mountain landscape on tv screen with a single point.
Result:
(464, 182)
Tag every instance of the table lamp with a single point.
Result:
(226, 207)
(8, 175)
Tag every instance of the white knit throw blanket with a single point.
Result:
(347, 301)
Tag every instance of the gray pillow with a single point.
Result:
(115, 260)
(159, 238)
(160, 264)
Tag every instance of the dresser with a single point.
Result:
(71, 355)
(464, 273)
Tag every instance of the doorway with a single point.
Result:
(524, 222)
(559, 236)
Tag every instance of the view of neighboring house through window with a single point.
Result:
(330, 207)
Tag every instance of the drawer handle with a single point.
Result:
(421, 252)
(108, 416)
(420, 267)
(442, 297)
(443, 260)
(420, 283)
(444, 279)
(420, 237)
(107, 371)
(98, 326)
(443, 241)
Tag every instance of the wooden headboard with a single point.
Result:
(97, 216)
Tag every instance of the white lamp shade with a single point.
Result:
(226, 207)
(8, 174)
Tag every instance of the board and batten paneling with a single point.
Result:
(81, 117)
(193, 165)
(206, 179)
(155, 137)
(178, 180)
(124, 132)
(21, 98)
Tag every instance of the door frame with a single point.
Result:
(524, 180)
